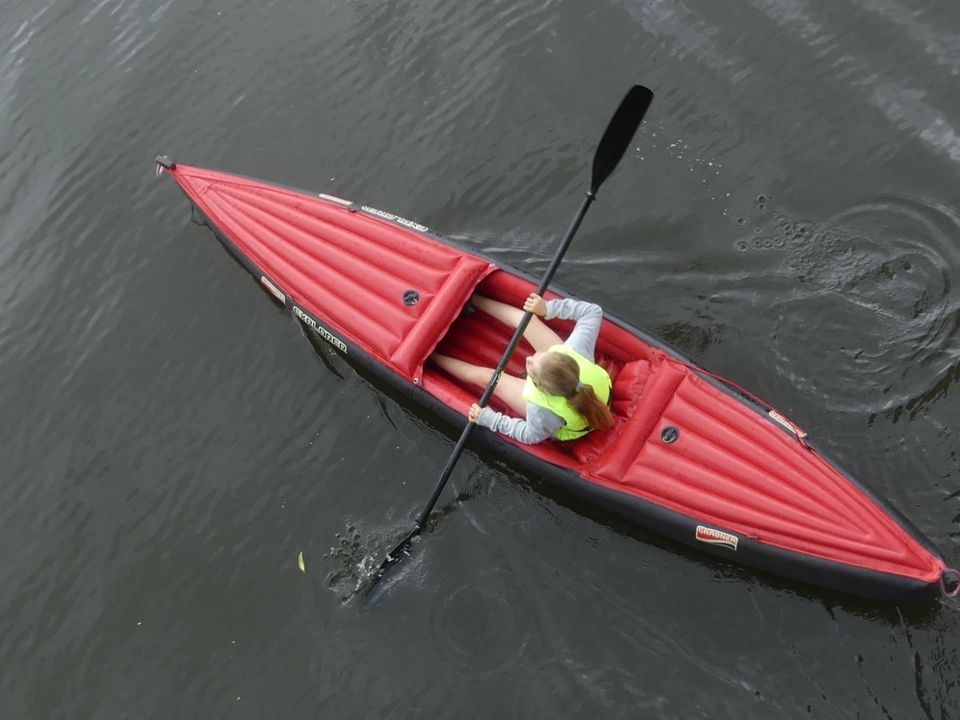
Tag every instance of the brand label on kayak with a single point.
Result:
(322, 332)
(395, 218)
(274, 290)
(786, 423)
(716, 537)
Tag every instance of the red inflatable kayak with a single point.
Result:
(690, 457)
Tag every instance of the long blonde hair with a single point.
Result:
(560, 375)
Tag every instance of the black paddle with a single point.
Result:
(613, 144)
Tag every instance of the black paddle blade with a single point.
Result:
(616, 139)
(378, 584)
(396, 556)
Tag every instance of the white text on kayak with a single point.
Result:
(395, 218)
(322, 332)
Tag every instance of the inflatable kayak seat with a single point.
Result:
(628, 387)
(663, 379)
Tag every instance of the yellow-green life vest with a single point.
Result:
(590, 374)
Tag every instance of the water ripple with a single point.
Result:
(476, 626)
(942, 46)
(891, 270)
(902, 104)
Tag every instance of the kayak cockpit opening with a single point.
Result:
(479, 339)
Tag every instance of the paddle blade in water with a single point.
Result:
(619, 133)
(396, 556)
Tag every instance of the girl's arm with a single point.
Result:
(539, 425)
(588, 317)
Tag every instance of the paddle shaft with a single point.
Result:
(504, 361)
(616, 138)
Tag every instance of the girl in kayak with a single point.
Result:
(565, 394)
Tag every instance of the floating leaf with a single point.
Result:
(300, 562)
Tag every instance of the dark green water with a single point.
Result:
(789, 216)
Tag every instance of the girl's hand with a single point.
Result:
(536, 305)
(474, 413)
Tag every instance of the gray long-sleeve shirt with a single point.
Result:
(541, 423)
